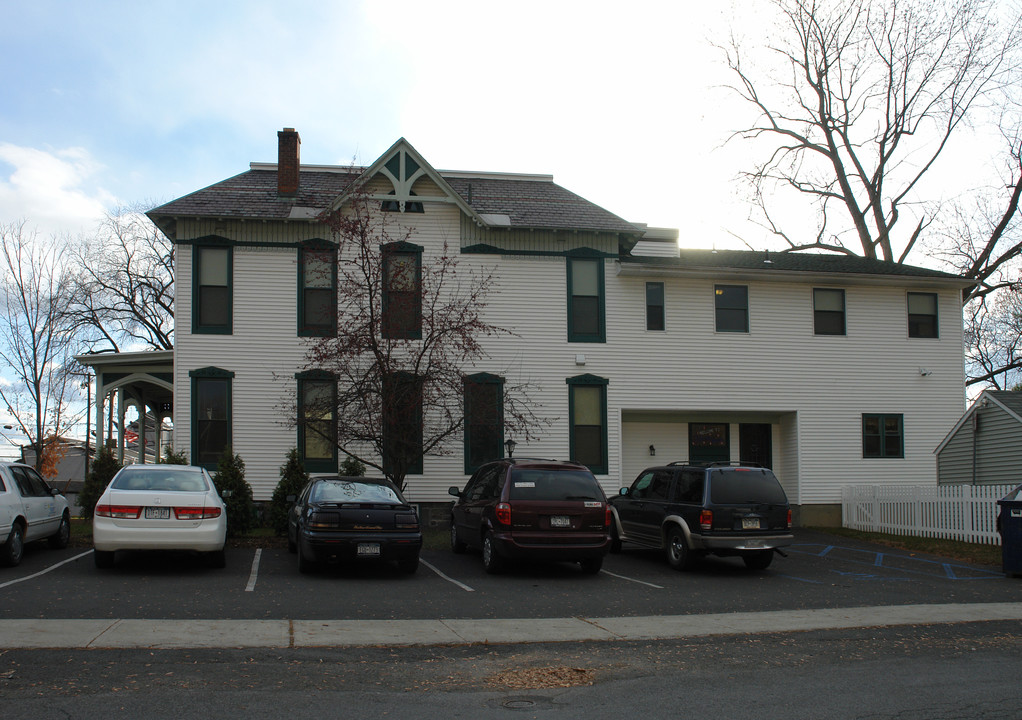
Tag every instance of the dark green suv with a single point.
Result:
(691, 510)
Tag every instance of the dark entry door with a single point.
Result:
(754, 444)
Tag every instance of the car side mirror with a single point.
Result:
(226, 493)
(452, 490)
(291, 498)
(623, 492)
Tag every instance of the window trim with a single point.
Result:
(328, 329)
(600, 336)
(882, 418)
(316, 464)
(662, 307)
(587, 381)
(935, 316)
(482, 379)
(210, 373)
(716, 309)
(212, 243)
(386, 252)
(844, 313)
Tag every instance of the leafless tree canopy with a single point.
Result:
(124, 285)
(35, 341)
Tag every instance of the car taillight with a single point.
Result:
(706, 519)
(406, 522)
(608, 517)
(504, 513)
(121, 512)
(197, 513)
(789, 518)
(323, 520)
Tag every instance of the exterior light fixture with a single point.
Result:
(510, 445)
(652, 450)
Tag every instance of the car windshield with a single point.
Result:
(347, 491)
(743, 486)
(534, 484)
(162, 478)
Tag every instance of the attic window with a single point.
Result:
(411, 206)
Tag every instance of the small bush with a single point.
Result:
(351, 467)
(293, 479)
(230, 479)
(102, 471)
(174, 458)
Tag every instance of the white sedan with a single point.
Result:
(160, 507)
(29, 510)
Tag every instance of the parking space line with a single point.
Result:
(463, 586)
(255, 571)
(43, 572)
(640, 582)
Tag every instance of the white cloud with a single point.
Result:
(51, 190)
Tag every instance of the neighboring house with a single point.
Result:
(833, 370)
(985, 445)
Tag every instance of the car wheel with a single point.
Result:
(304, 564)
(679, 556)
(216, 559)
(409, 565)
(759, 560)
(492, 562)
(457, 546)
(103, 558)
(60, 539)
(14, 548)
(615, 540)
(292, 546)
(591, 566)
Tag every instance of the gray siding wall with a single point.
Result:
(997, 454)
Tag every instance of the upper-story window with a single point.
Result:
(655, 306)
(211, 298)
(732, 308)
(317, 283)
(922, 315)
(402, 291)
(586, 322)
(828, 311)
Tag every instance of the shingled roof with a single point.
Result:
(779, 263)
(528, 202)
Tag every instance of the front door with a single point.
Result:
(754, 444)
(709, 442)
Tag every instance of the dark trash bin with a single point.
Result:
(1009, 525)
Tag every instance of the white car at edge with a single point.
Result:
(30, 510)
(160, 507)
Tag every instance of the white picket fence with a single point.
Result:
(953, 512)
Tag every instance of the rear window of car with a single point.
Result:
(161, 479)
(535, 484)
(738, 487)
(345, 491)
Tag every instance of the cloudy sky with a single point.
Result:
(116, 103)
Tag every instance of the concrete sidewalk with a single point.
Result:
(179, 634)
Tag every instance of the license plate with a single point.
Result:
(750, 523)
(560, 521)
(368, 549)
(157, 513)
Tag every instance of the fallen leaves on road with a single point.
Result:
(544, 677)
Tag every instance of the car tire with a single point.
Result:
(14, 548)
(292, 546)
(216, 559)
(591, 566)
(60, 539)
(679, 556)
(759, 560)
(409, 565)
(615, 540)
(305, 566)
(457, 546)
(103, 558)
(492, 562)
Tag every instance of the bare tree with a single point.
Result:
(124, 284)
(406, 333)
(35, 341)
(868, 99)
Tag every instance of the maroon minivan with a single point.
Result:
(524, 509)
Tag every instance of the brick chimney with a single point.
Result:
(288, 164)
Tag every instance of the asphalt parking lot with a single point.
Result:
(820, 572)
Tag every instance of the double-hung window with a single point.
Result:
(732, 308)
(211, 415)
(883, 436)
(587, 418)
(655, 306)
(828, 311)
(317, 421)
(402, 291)
(211, 297)
(922, 315)
(402, 424)
(484, 420)
(317, 291)
(586, 322)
